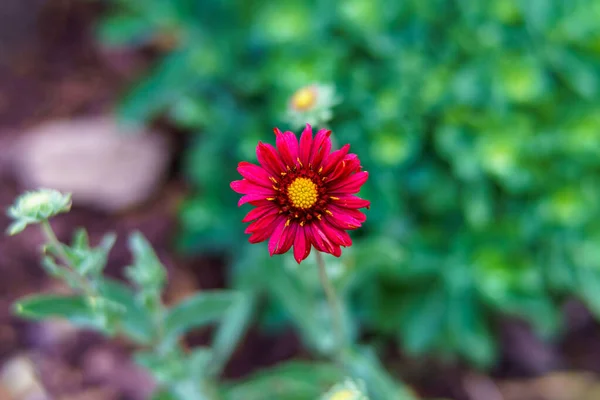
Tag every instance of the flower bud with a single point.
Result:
(37, 206)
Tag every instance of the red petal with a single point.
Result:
(269, 159)
(301, 245)
(262, 202)
(289, 234)
(282, 238)
(350, 201)
(359, 216)
(263, 223)
(258, 212)
(250, 198)
(261, 234)
(254, 173)
(276, 237)
(349, 185)
(349, 164)
(321, 147)
(337, 236)
(345, 218)
(337, 251)
(319, 239)
(305, 145)
(246, 187)
(287, 144)
(333, 159)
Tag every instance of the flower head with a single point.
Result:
(304, 194)
(348, 390)
(312, 103)
(37, 206)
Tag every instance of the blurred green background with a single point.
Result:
(479, 122)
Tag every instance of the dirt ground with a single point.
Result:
(51, 67)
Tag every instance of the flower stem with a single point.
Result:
(332, 299)
(86, 286)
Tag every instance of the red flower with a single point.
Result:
(303, 193)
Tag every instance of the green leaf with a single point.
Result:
(469, 330)
(107, 243)
(147, 271)
(231, 330)
(76, 309)
(294, 380)
(135, 321)
(16, 227)
(422, 319)
(364, 366)
(199, 362)
(579, 73)
(170, 80)
(165, 368)
(196, 311)
(163, 394)
(81, 240)
(307, 311)
(180, 376)
(56, 271)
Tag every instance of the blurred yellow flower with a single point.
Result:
(312, 104)
(304, 98)
(347, 390)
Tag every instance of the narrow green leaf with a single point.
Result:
(231, 330)
(421, 319)
(303, 308)
(469, 330)
(165, 368)
(81, 240)
(107, 242)
(135, 321)
(199, 362)
(147, 272)
(196, 311)
(295, 380)
(56, 271)
(73, 308)
(16, 227)
(364, 365)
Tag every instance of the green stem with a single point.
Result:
(63, 256)
(334, 303)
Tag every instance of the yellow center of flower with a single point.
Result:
(344, 394)
(304, 98)
(302, 193)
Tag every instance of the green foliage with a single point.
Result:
(478, 122)
(137, 312)
(364, 365)
(294, 380)
(76, 309)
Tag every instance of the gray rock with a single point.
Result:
(102, 164)
(18, 377)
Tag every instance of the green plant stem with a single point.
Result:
(53, 240)
(334, 303)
